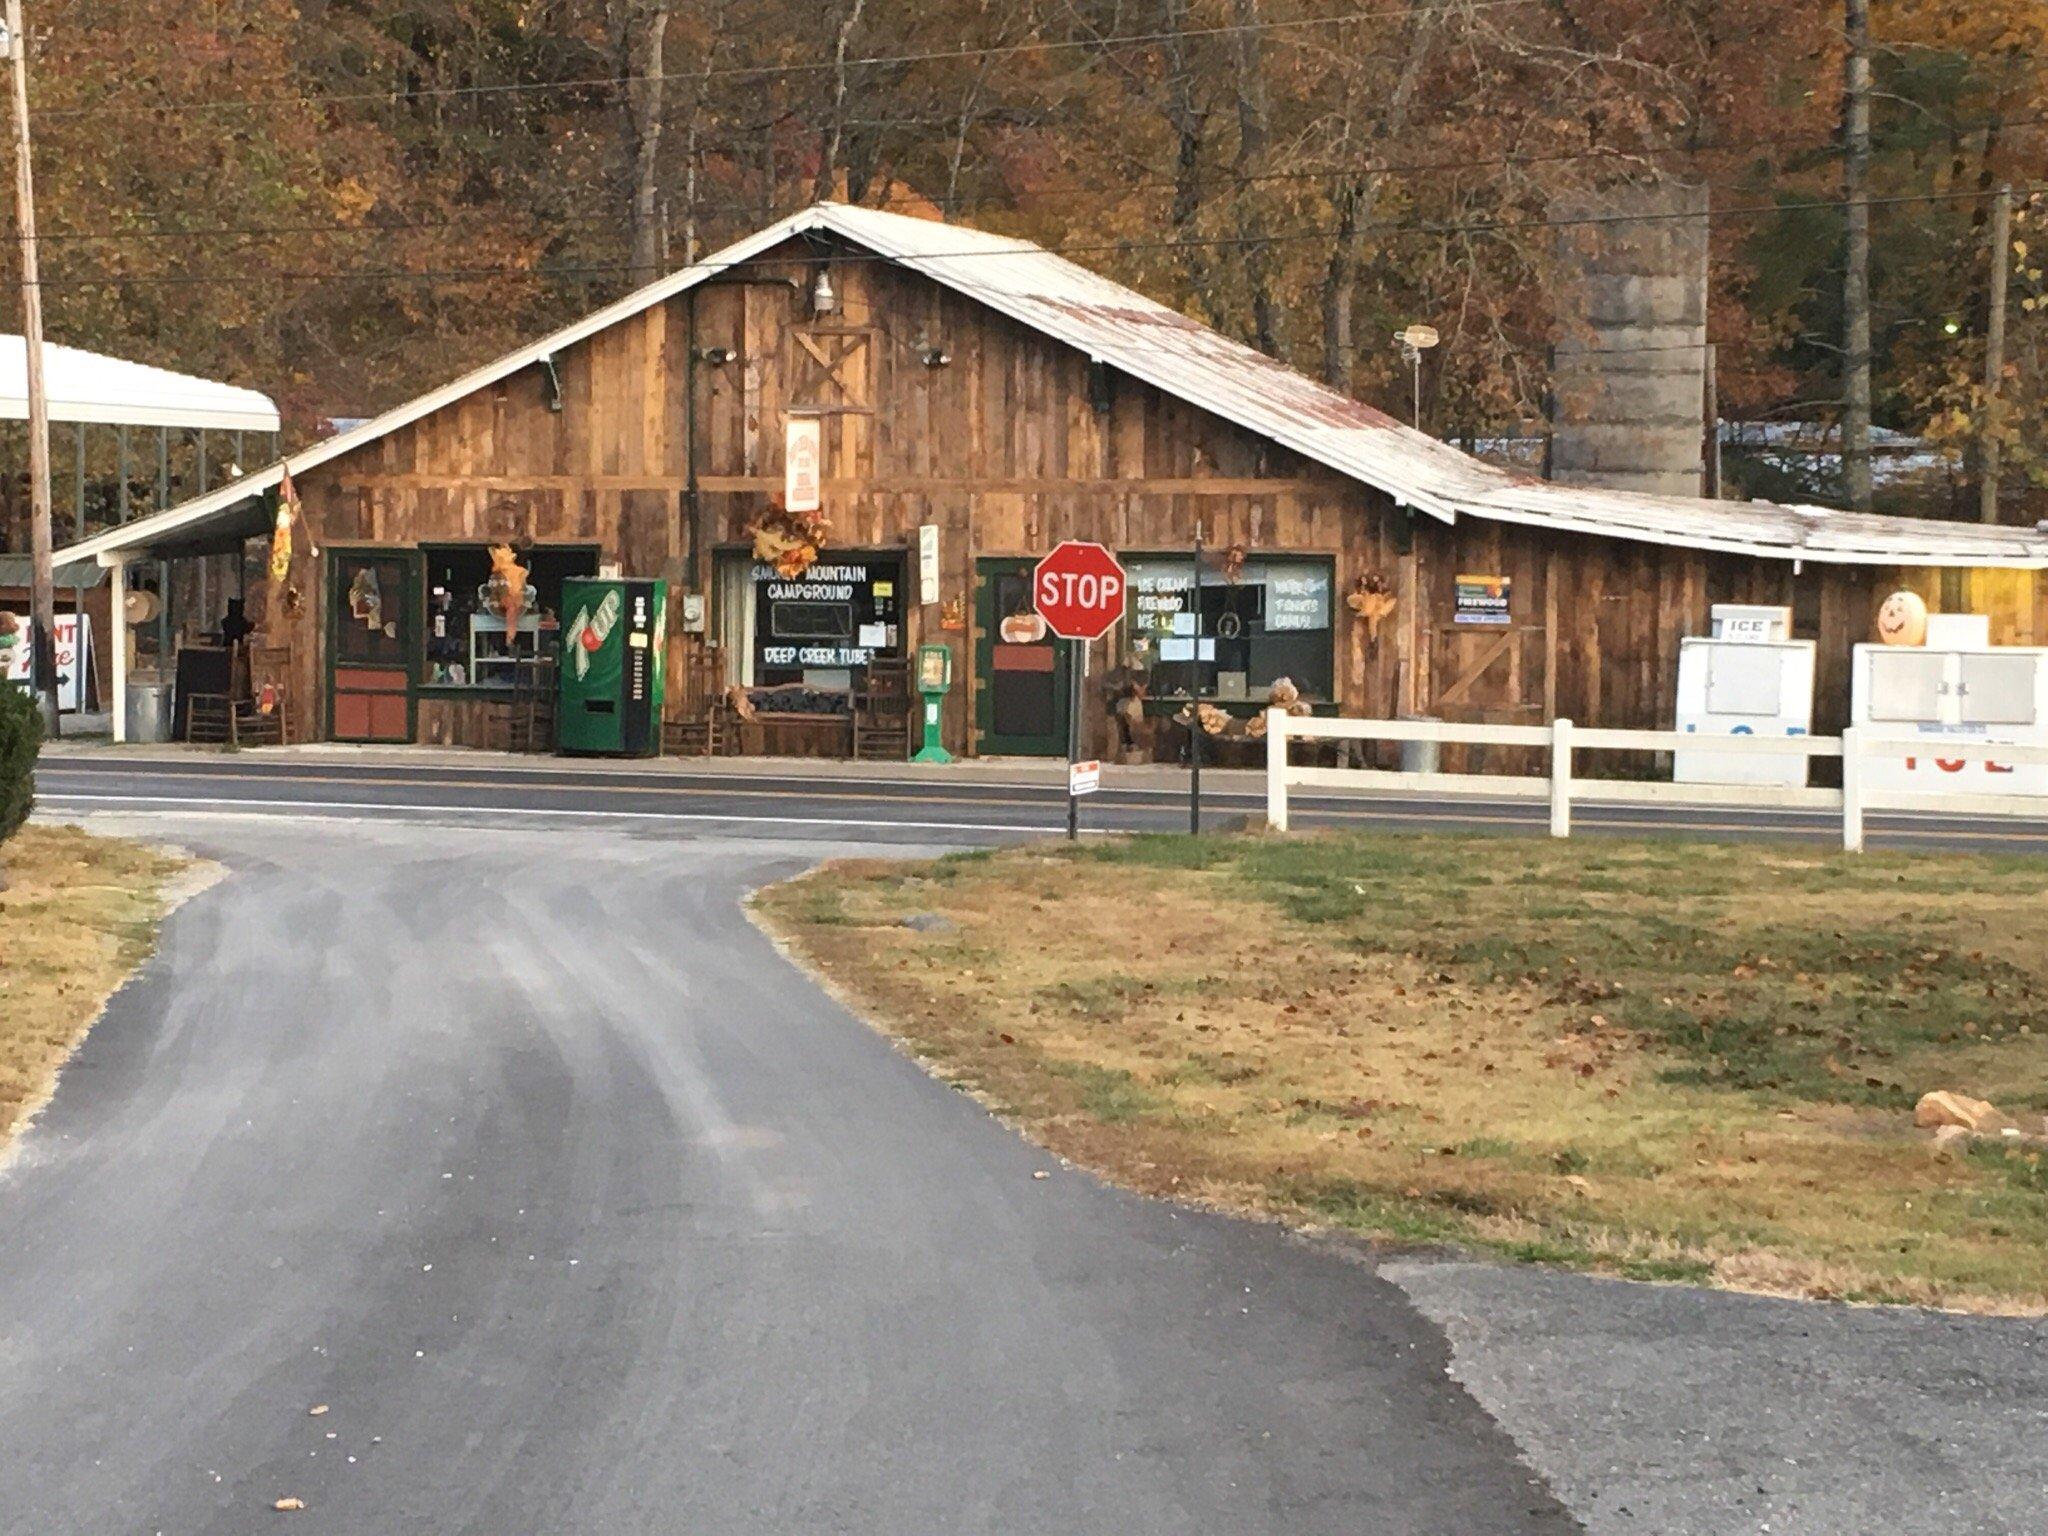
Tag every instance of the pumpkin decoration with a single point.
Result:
(1372, 599)
(1026, 628)
(1902, 619)
(788, 540)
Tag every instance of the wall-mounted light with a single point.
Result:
(716, 357)
(935, 357)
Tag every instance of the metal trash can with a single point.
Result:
(1421, 756)
(149, 711)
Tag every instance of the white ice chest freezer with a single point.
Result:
(1992, 694)
(1745, 687)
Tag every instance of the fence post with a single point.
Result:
(1560, 778)
(1852, 789)
(1276, 769)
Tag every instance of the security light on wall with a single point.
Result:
(935, 357)
(715, 357)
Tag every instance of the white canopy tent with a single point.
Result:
(111, 402)
(87, 387)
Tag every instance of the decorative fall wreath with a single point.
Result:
(788, 540)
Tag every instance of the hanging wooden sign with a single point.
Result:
(803, 452)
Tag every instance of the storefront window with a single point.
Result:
(819, 630)
(1271, 621)
(466, 644)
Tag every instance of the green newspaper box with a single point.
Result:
(614, 640)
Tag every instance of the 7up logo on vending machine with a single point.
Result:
(588, 632)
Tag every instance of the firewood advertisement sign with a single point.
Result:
(1482, 600)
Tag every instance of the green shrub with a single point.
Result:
(21, 737)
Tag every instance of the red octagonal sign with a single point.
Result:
(1078, 590)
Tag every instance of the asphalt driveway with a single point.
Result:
(579, 1210)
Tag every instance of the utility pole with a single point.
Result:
(1994, 357)
(1856, 267)
(42, 593)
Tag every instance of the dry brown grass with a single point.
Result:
(1671, 1063)
(77, 916)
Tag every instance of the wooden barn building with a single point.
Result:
(971, 400)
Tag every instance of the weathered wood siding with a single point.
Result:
(1006, 450)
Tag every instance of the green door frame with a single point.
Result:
(987, 742)
(408, 614)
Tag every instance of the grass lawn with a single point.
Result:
(77, 916)
(1668, 1060)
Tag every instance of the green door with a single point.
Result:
(1020, 699)
(371, 639)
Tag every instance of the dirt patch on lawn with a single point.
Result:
(78, 914)
(1661, 1060)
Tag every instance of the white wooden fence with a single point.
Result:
(1562, 790)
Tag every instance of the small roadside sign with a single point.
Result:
(1084, 778)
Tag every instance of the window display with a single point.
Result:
(820, 627)
(475, 636)
(1267, 620)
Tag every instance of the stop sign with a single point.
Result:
(1078, 590)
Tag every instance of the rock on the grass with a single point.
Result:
(1943, 1108)
(1951, 1140)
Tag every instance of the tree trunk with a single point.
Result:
(1188, 118)
(638, 28)
(1856, 266)
(1253, 136)
(833, 142)
(1357, 198)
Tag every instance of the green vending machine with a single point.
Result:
(614, 640)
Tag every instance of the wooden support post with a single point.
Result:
(117, 622)
(42, 596)
(1994, 357)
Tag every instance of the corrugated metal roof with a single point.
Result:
(85, 386)
(1135, 335)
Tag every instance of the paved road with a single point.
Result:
(583, 1212)
(828, 804)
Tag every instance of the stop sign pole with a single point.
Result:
(1078, 590)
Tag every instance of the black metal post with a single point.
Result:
(1195, 698)
(1077, 657)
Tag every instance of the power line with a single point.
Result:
(956, 200)
(762, 71)
(1114, 247)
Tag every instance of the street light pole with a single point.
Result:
(42, 591)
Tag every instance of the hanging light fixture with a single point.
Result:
(823, 300)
